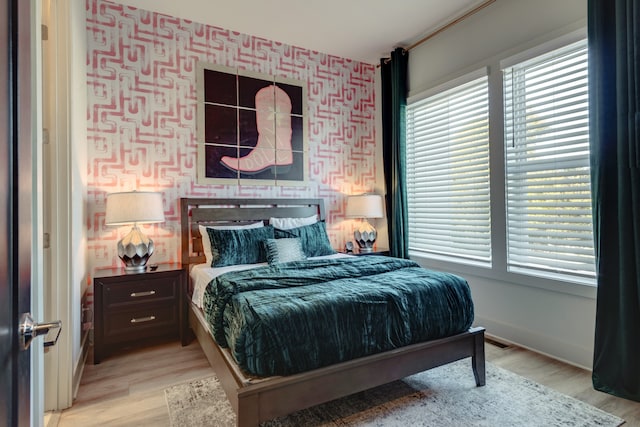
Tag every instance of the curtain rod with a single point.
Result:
(446, 26)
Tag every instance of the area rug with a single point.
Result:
(442, 397)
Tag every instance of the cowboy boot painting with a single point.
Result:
(273, 121)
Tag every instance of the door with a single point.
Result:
(15, 208)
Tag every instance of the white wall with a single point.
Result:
(553, 318)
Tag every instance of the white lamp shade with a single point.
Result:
(141, 207)
(364, 206)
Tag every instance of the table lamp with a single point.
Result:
(134, 207)
(365, 206)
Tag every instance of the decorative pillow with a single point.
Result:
(243, 246)
(289, 223)
(283, 250)
(206, 240)
(314, 239)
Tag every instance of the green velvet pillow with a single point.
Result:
(284, 250)
(314, 239)
(242, 246)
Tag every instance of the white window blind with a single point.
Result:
(548, 196)
(448, 174)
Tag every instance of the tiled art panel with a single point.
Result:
(142, 119)
(251, 128)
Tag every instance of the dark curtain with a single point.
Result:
(394, 105)
(614, 86)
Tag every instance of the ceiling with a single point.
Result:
(364, 30)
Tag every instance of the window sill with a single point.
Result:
(577, 289)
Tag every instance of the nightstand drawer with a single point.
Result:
(142, 291)
(141, 322)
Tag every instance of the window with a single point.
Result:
(448, 173)
(533, 219)
(548, 196)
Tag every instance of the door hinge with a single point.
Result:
(46, 240)
(45, 135)
(45, 32)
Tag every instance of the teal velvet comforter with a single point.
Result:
(297, 316)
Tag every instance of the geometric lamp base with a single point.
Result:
(365, 236)
(134, 250)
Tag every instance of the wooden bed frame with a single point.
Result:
(263, 400)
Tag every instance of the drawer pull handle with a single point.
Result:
(142, 294)
(143, 319)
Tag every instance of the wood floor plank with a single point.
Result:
(127, 389)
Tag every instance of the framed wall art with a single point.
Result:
(251, 128)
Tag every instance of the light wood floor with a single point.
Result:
(128, 389)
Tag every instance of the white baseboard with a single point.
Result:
(82, 360)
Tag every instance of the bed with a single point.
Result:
(258, 398)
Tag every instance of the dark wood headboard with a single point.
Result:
(197, 211)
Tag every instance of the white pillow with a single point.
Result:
(289, 223)
(206, 241)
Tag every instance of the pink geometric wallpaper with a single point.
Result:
(141, 119)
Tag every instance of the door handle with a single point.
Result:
(30, 330)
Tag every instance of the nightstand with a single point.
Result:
(130, 308)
